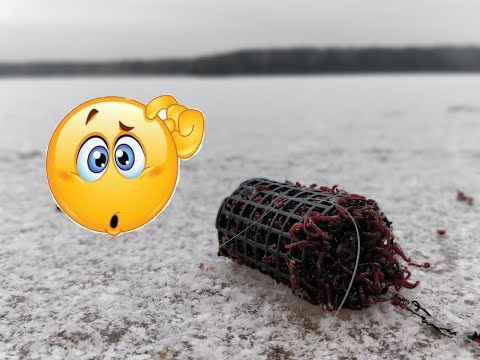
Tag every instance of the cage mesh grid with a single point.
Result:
(258, 216)
(257, 205)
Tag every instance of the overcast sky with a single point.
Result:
(126, 29)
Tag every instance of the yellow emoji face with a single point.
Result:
(112, 163)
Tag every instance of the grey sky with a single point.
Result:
(125, 29)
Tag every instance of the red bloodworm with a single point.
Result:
(396, 248)
(304, 209)
(376, 280)
(344, 269)
(397, 302)
(425, 265)
(370, 285)
(340, 211)
(293, 230)
(279, 223)
(319, 262)
(371, 239)
(390, 258)
(298, 243)
(409, 285)
(315, 231)
(380, 224)
(293, 281)
(293, 275)
(316, 216)
(370, 264)
(360, 276)
(304, 243)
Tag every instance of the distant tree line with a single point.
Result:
(273, 61)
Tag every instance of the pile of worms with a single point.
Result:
(332, 246)
(315, 255)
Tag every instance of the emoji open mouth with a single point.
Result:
(114, 229)
(114, 221)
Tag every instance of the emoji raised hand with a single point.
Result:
(186, 125)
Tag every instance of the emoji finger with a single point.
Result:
(174, 111)
(157, 104)
(190, 133)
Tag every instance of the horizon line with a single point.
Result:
(242, 50)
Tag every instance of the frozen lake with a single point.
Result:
(408, 142)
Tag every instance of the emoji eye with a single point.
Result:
(129, 157)
(92, 159)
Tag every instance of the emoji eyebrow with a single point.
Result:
(91, 115)
(124, 127)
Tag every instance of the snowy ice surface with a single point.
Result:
(407, 141)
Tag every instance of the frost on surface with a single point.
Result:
(69, 293)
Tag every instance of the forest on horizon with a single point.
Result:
(270, 61)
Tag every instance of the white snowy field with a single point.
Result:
(408, 142)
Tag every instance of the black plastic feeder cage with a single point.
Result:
(305, 238)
